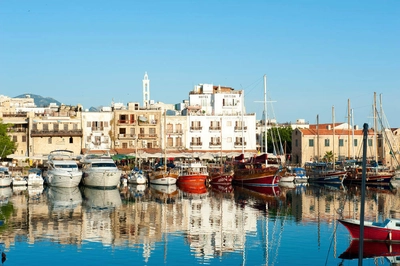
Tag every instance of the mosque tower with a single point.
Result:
(146, 90)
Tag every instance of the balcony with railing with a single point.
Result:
(240, 144)
(147, 122)
(215, 144)
(196, 144)
(196, 128)
(16, 130)
(215, 128)
(175, 132)
(126, 136)
(56, 133)
(126, 122)
(97, 129)
(240, 128)
(147, 136)
(19, 114)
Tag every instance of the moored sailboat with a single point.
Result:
(263, 170)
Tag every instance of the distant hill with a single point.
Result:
(39, 100)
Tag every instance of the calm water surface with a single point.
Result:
(146, 225)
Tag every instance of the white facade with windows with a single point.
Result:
(217, 121)
(95, 128)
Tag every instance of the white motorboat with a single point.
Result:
(62, 170)
(35, 177)
(100, 171)
(5, 177)
(19, 181)
(137, 176)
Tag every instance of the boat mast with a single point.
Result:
(352, 133)
(317, 138)
(265, 113)
(164, 140)
(383, 129)
(333, 142)
(348, 128)
(242, 123)
(375, 129)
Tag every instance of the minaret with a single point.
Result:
(146, 90)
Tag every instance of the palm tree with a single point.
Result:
(328, 157)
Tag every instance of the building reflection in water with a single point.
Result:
(213, 220)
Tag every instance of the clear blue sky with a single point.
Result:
(316, 54)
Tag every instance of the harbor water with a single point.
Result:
(167, 225)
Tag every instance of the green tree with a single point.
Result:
(280, 138)
(328, 157)
(7, 146)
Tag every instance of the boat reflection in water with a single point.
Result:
(164, 193)
(222, 188)
(101, 198)
(190, 190)
(373, 249)
(258, 196)
(5, 194)
(248, 225)
(137, 191)
(99, 206)
(62, 198)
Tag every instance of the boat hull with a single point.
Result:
(371, 231)
(163, 177)
(137, 178)
(258, 177)
(221, 179)
(328, 177)
(192, 179)
(5, 181)
(35, 177)
(103, 178)
(63, 179)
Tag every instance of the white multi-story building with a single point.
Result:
(217, 121)
(95, 129)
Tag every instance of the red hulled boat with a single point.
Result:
(192, 173)
(388, 230)
(263, 170)
(220, 174)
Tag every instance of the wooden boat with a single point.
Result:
(163, 175)
(192, 172)
(388, 230)
(263, 170)
(62, 170)
(100, 171)
(373, 175)
(321, 172)
(220, 173)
